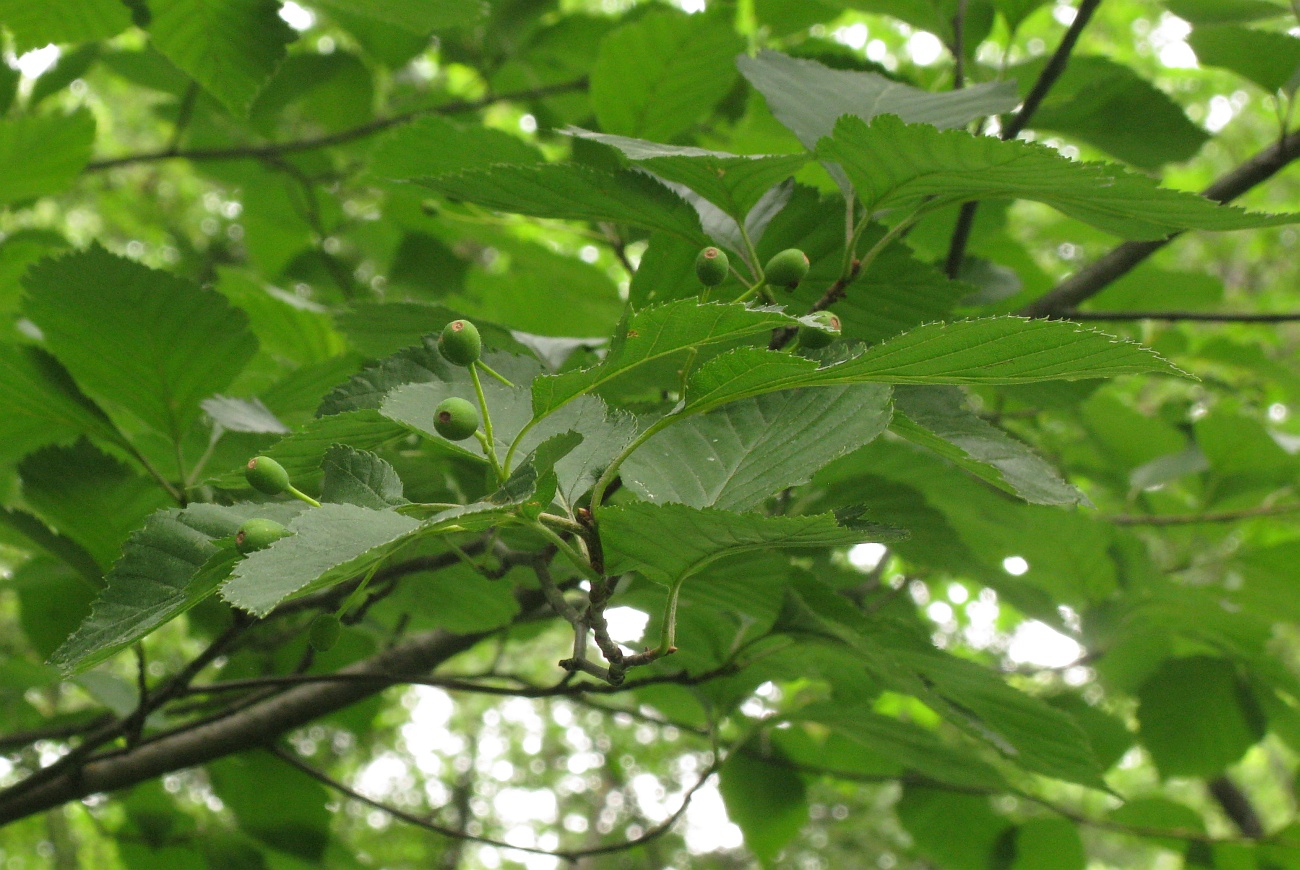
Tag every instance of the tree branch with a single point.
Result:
(1092, 279)
(262, 152)
(1237, 805)
(1046, 79)
(252, 725)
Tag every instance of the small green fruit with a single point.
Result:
(460, 342)
(324, 632)
(266, 475)
(455, 419)
(826, 330)
(711, 266)
(787, 268)
(258, 534)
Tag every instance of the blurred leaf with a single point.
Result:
(656, 76)
(279, 805)
(768, 801)
(43, 154)
(1266, 58)
(35, 25)
(1226, 720)
(230, 47)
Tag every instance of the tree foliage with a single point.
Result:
(994, 568)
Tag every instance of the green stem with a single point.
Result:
(302, 496)
(500, 377)
(361, 587)
(668, 634)
(488, 441)
(569, 553)
(598, 491)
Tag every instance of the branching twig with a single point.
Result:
(1046, 79)
(261, 152)
(565, 854)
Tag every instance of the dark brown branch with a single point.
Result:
(1173, 316)
(1046, 79)
(262, 152)
(1091, 280)
(253, 725)
(1237, 806)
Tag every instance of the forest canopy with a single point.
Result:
(708, 433)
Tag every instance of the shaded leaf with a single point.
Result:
(43, 154)
(359, 477)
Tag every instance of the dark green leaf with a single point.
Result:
(1266, 58)
(765, 798)
(35, 25)
(360, 478)
(139, 340)
(898, 165)
(739, 455)
(938, 418)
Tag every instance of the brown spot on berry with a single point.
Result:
(444, 416)
(239, 538)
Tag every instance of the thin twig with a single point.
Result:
(453, 833)
(1033, 100)
(261, 152)
(1194, 519)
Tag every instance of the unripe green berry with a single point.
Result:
(460, 342)
(324, 632)
(258, 534)
(266, 475)
(787, 268)
(711, 266)
(455, 419)
(826, 330)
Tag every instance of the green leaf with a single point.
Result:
(1201, 12)
(958, 831)
(279, 805)
(43, 404)
(361, 478)
(991, 350)
(431, 146)
(328, 544)
(413, 406)
(574, 192)
(1157, 813)
(732, 183)
(658, 75)
(416, 16)
(916, 748)
(1016, 11)
(1025, 729)
(1264, 57)
(167, 567)
(35, 25)
(1197, 717)
(33, 530)
(634, 536)
(605, 432)
(301, 452)
(765, 798)
(938, 418)
(809, 98)
(655, 333)
(89, 496)
(43, 154)
(1102, 102)
(900, 166)
(737, 456)
(1049, 844)
(141, 341)
(230, 47)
